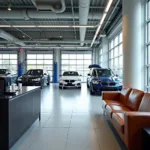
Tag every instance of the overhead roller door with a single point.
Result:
(9, 61)
(76, 61)
(42, 60)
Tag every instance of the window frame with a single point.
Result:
(147, 45)
(115, 57)
(9, 65)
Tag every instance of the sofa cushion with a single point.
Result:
(110, 102)
(115, 108)
(124, 95)
(145, 103)
(118, 121)
(134, 99)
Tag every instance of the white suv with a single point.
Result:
(70, 79)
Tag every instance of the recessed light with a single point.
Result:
(9, 7)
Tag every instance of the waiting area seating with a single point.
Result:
(129, 112)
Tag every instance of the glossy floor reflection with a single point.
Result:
(72, 119)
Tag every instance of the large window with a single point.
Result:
(116, 55)
(148, 46)
(8, 61)
(40, 61)
(100, 56)
(76, 61)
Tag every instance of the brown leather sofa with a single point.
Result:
(129, 112)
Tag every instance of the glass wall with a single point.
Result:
(148, 46)
(40, 61)
(116, 55)
(76, 61)
(100, 57)
(9, 61)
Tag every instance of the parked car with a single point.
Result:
(11, 77)
(70, 79)
(100, 79)
(35, 77)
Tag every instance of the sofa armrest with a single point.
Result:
(114, 95)
(134, 123)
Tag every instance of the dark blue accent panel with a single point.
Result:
(55, 72)
(20, 69)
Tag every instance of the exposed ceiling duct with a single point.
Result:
(84, 6)
(48, 47)
(47, 5)
(10, 38)
(51, 41)
(33, 14)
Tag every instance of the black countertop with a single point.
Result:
(25, 90)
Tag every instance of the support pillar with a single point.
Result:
(132, 33)
(21, 62)
(105, 60)
(56, 65)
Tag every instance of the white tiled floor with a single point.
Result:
(71, 119)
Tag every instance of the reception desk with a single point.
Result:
(17, 114)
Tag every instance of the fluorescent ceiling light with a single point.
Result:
(48, 26)
(108, 5)
(103, 18)
(98, 29)
(53, 26)
(24, 26)
(83, 26)
(101, 21)
(5, 26)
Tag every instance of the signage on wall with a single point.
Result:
(21, 50)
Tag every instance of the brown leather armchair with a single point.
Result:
(129, 112)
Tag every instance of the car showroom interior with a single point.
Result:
(75, 74)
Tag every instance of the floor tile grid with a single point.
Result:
(81, 127)
(69, 129)
(40, 127)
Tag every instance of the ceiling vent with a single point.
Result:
(56, 6)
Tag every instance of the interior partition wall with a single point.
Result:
(116, 54)
(147, 54)
(76, 61)
(40, 60)
(9, 60)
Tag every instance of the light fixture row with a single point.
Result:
(102, 20)
(48, 26)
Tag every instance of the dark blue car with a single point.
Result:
(100, 79)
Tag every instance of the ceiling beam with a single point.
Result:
(30, 7)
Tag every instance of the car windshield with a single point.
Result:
(104, 72)
(70, 73)
(3, 71)
(35, 72)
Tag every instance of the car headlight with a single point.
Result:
(20, 79)
(95, 81)
(37, 79)
(61, 80)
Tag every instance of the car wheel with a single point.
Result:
(91, 91)
(88, 85)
